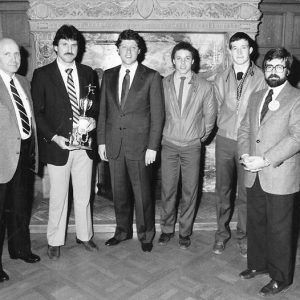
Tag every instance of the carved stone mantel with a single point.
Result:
(146, 15)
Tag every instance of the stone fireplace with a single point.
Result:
(207, 24)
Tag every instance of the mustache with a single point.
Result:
(274, 76)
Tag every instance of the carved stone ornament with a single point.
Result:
(155, 15)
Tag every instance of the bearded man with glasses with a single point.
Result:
(269, 145)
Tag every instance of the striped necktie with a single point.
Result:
(72, 95)
(21, 108)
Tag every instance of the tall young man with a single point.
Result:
(129, 134)
(233, 88)
(190, 117)
(56, 90)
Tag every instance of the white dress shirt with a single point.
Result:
(122, 73)
(186, 86)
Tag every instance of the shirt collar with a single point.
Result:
(63, 68)
(277, 89)
(188, 76)
(132, 68)
(7, 77)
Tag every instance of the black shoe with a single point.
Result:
(248, 274)
(89, 245)
(147, 247)
(274, 287)
(219, 247)
(113, 241)
(165, 238)
(184, 242)
(53, 252)
(3, 276)
(28, 258)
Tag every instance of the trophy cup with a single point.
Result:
(80, 138)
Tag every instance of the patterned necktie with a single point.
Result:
(21, 108)
(182, 79)
(265, 106)
(125, 87)
(72, 96)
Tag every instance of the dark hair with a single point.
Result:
(67, 32)
(241, 36)
(187, 46)
(129, 34)
(280, 53)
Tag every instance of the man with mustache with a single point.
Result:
(56, 89)
(269, 145)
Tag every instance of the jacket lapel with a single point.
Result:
(191, 94)
(5, 98)
(58, 80)
(170, 86)
(114, 85)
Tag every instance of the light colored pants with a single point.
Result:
(79, 167)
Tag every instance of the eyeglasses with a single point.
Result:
(278, 68)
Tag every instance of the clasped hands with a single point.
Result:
(253, 163)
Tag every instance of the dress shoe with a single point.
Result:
(89, 245)
(53, 252)
(147, 247)
(165, 238)
(28, 258)
(248, 274)
(113, 241)
(274, 287)
(219, 247)
(184, 242)
(3, 276)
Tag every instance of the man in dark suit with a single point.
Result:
(18, 156)
(269, 145)
(56, 89)
(129, 134)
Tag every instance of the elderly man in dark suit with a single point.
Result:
(129, 134)
(56, 90)
(18, 155)
(269, 145)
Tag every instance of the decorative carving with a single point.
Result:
(150, 9)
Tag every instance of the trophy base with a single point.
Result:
(79, 147)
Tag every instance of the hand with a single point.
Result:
(61, 142)
(244, 159)
(92, 125)
(255, 163)
(150, 157)
(102, 152)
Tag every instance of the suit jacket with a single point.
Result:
(138, 125)
(10, 135)
(277, 139)
(197, 119)
(53, 109)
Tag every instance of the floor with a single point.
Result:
(125, 272)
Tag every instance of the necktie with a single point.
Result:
(72, 95)
(182, 79)
(125, 87)
(265, 106)
(21, 108)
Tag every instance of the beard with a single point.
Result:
(274, 80)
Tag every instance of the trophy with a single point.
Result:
(80, 138)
